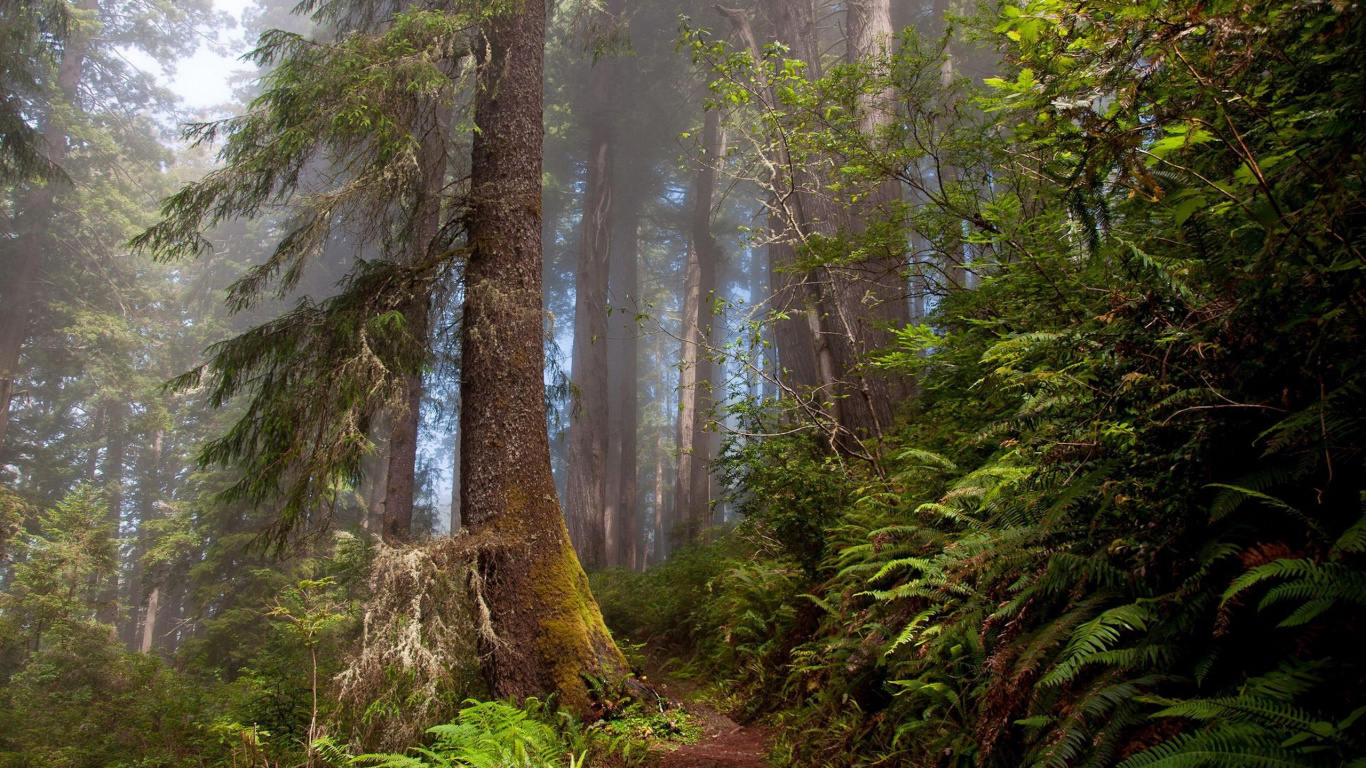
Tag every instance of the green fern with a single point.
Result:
(1240, 745)
(490, 734)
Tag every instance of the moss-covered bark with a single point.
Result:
(541, 629)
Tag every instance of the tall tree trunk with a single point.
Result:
(869, 297)
(401, 472)
(116, 453)
(956, 268)
(805, 359)
(621, 512)
(400, 486)
(375, 476)
(92, 457)
(692, 478)
(844, 304)
(34, 224)
(586, 495)
(660, 550)
(544, 631)
(794, 343)
(810, 212)
(149, 492)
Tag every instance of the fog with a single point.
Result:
(660, 341)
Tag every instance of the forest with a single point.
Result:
(617, 383)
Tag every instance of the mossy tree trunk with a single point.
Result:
(544, 631)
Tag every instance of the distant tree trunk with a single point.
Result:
(661, 532)
(811, 212)
(804, 355)
(400, 486)
(116, 453)
(34, 223)
(692, 478)
(869, 297)
(844, 304)
(586, 496)
(375, 476)
(17, 301)
(92, 458)
(401, 473)
(149, 491)
(149, 623)
(794, 344)
(621, 517)
(956, 267)
(544, 632)
(455, 477)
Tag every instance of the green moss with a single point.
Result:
(574, 640)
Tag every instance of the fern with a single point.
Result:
(491, 734)
(1243, 746)
(1313, 587)
(1092, 642)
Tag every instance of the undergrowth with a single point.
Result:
(1122, 522)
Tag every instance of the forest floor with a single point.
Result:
(723, 743)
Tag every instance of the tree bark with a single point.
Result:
(586, 495)
(92, 457)
(116, 453)
(844, 305)
(543, 631)
(375, 476)
(401, 472)
(621, 517)
(956, 268)
(692, 497)
(149, 623)
(811, 212)
(149, 491)
(794, 345)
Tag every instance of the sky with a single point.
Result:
(203, 80)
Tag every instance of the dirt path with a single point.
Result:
(736, 748)
(723, 743)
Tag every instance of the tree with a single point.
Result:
(692, 499)
(51, 588)
(307, 611)
(544, 630)
(621, 510)
(586, 495)
(371, 110)
(32, 33)
(837, 291)
(32, 221)
(73, 130)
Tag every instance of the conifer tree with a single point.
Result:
(544, 631)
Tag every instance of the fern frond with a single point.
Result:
(1239, 745)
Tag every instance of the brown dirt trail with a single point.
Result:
(737, 748)
(723, 743)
